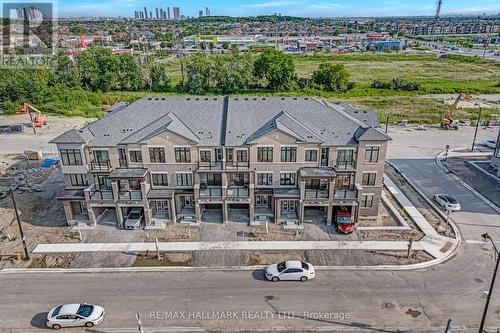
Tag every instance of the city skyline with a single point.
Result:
(319, 8)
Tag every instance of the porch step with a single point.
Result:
(292, 226)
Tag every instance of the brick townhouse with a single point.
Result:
(218, 159)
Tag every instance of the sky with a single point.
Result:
(305, 8)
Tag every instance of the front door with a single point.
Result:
(289, 205)
(161, 206)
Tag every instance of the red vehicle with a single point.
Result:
(343, 221)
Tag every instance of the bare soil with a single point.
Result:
(173, 233)
(167, 259)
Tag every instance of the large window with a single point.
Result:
(371, 154)
(135, 156)
(205, 155)
(157, 155)
(218, 154)
(288, 154)
(264, 154)
(101, 157)
(214, 179)
(122, 157)
(311, 155)
(77, 179)
(229, 154)
(287, 179)
(325, 151)
(367, 200)
(242, 155)
(182, 155)
(159, 179)
(71, 157)
(265, 179)
(184, 179)
(369, 178)
(345, 156)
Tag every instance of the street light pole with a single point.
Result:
(475, 132)
(490, 291)
(20, 226)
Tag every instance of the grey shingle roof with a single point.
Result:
(366, 116)
(202, 120)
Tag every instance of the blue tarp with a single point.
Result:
(47, 163)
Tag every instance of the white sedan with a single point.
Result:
(71, 315)
(447, 202)
(291, 270)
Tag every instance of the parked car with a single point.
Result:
(343, 221)
(447, 202)
(290, 270)
(134, 219)
(71, 315)
(489, 143)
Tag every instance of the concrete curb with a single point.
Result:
(475, 165)
(439, 157)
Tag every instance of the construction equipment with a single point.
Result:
(36, 116)
(448, 121)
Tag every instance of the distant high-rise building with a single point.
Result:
(136, 14)
(150, 14)
(141, 15)
(200, 13)
(177, 13)
(207, 11)
(168, 13)
(157, 14)
(161, 14)
(145, 13)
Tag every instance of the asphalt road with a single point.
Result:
(369, 301)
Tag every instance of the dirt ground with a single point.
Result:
(484, 184)
(423, 207)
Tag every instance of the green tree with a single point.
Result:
(198, 71)
(159, 78)
(277, 68)
(331, 77)
(232, 74)
(129, 73)
(65, 72)
(98, 69)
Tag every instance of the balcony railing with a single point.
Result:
(238, 192)
(101, 195)
(210, 165)
(100, 165)
(345, 165)
(237, 165)
(130, 195)
(345, 194)
(316, 194)
(211, 192)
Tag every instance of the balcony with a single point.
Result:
(345, 166)
(101, 195)
(211, 192)
(100, 165)
(211, 166)
(316, 194)
(130, 195)
(238, 192)
(237, 165)
(345, 194)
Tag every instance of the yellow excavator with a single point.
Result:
(448, 122)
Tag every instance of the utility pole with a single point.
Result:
(475, 132)
(27, 255)
(490, 291)
(386, 124)
(448, 326)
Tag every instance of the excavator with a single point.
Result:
(448, 121)
(37, 117)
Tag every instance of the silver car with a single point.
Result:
(71, 315)
(134, 219)
(447, 202)
(290, 270)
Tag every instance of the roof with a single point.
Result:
(69, 309)
(128, 173)
(230, 121)
(158, 194)
(293, 264)
(317, 172)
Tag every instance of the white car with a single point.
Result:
(290, 270)
(447, 202)
(490, 143)
(71, 315)
(134, 219)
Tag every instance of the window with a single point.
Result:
(101, 156)
(345, 156)
(371, 154)
(157, 155)
(265, 179)
(288, 154)
(184, 179)
(218, 154)
(237, 179)
(229, 154)
(287, 179)
(77, 179)
(214, 179)
(264, 154)
(262, 200)
(104, 183)
(182, 155)
(241, 155)
(159, 179)
(325, 151)
(367, 200)
(497, 151)
(311, 155)
(369, 178)
(135, 156)
(205, 155)
(71, 157)
(122, 154)
(344, 182)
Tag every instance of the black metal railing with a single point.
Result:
(101, 195)
(237, 165)
(130, 195)
(316, 194)
(210, 165)
(345, 194)
(211, 192)
(345, 165)
(238, 192)
(100, 165)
